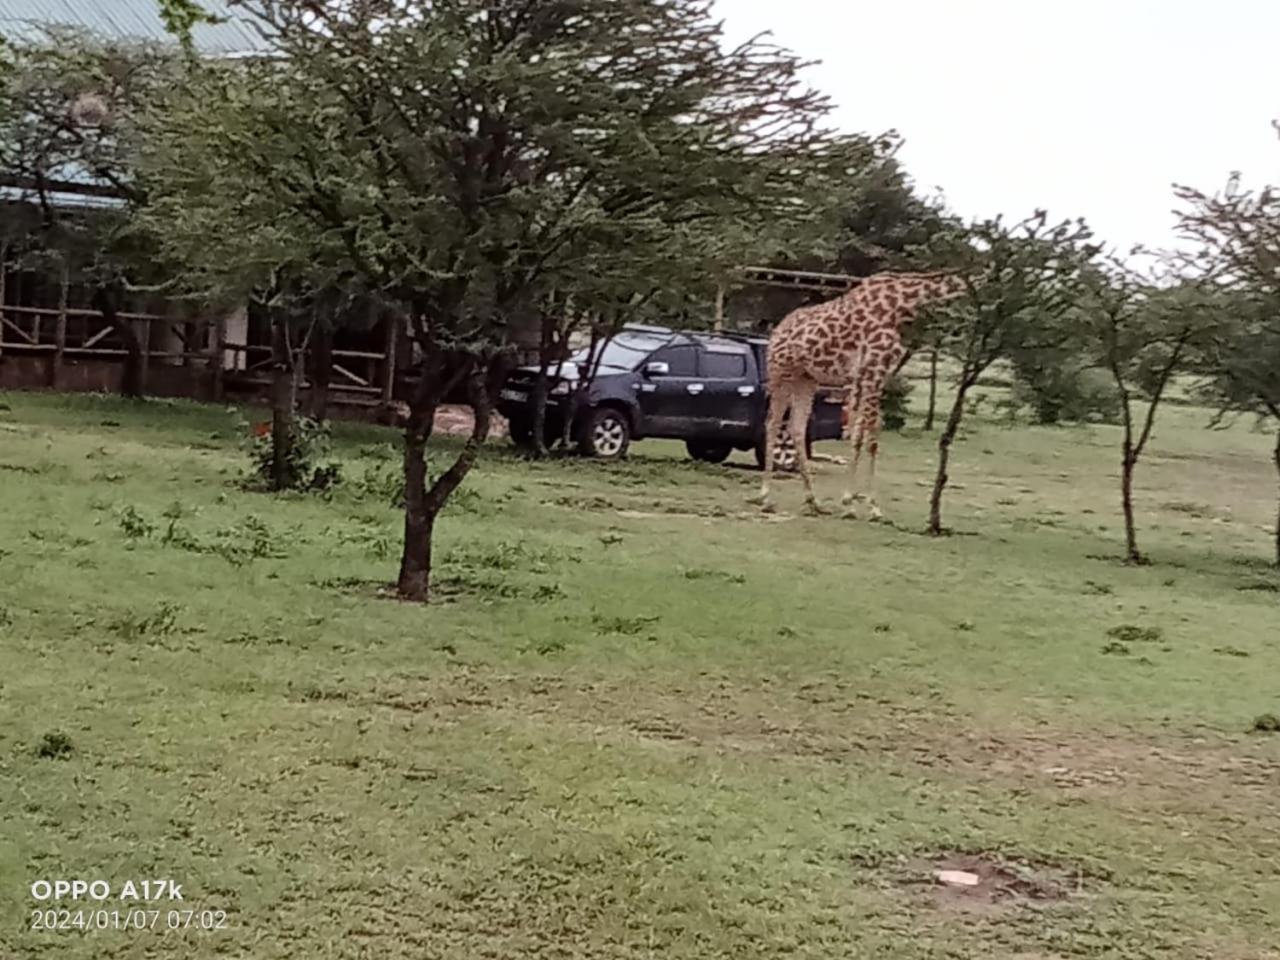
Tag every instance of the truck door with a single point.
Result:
(670, 397)
(730, 394)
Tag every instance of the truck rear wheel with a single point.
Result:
(784, 452)
(708, 452)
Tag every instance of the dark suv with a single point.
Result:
(705, 389)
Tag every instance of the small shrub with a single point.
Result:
(134, 524)
(383, 483)
(1266, 723)
(1065, 394)
(1132, 633)
(893, 409)
(466, 500)
(176, 535)
(375, 541)
(249, 540)
(627, 626)
(54, 745)
(702, 573)
(507, 555)
(309, 443)
(161, 623)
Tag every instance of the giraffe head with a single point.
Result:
(901, 295)
(935, 286)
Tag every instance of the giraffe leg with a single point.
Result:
(871, 430)
(849, 500)
(779, 401)
(873, 453)
(801, 407)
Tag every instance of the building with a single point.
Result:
(51, 333)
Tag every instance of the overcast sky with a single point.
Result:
(1087, 108)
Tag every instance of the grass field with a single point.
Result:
(644, 721)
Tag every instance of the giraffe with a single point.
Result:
(854, 341)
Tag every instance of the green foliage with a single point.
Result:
(1025, 278)
(894, 401)
(308, 444)
(162, 622)
(134, 525)
(54, 745)
(181, 16)
(1133, 633)
(73, 107)
(1239, 233)
(1065, 392)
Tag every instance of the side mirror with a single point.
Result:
(657, 368)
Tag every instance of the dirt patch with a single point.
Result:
(982, 883)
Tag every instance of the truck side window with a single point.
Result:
(683, 360)
(724, 366)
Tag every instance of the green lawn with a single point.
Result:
(643, 720)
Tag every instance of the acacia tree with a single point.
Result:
(1021, 279)
(1144, 332)
(1237, 233)
(458, 152)
(72, 107)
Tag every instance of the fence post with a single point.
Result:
(217, 355)
(389, 368)
(4, 271)
(60, 331)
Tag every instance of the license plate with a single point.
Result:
(515, 396)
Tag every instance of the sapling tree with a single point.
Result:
(1021, 278)
(1144, 331)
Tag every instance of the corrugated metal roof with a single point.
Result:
(127, 20)
(62, 199)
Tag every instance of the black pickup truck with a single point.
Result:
(705, 389)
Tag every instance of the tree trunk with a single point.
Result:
(282, 404)
(933, 389)
(131, 380)
(944, 458)
(419, 525)
(539, 444)
(1277, 459)
(422, 505)
(581, 384)
(1127, 463)
(321, 371)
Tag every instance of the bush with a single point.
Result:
(1066, 394)
(893, 409)
(309, 444)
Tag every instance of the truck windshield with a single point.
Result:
(624, 351)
